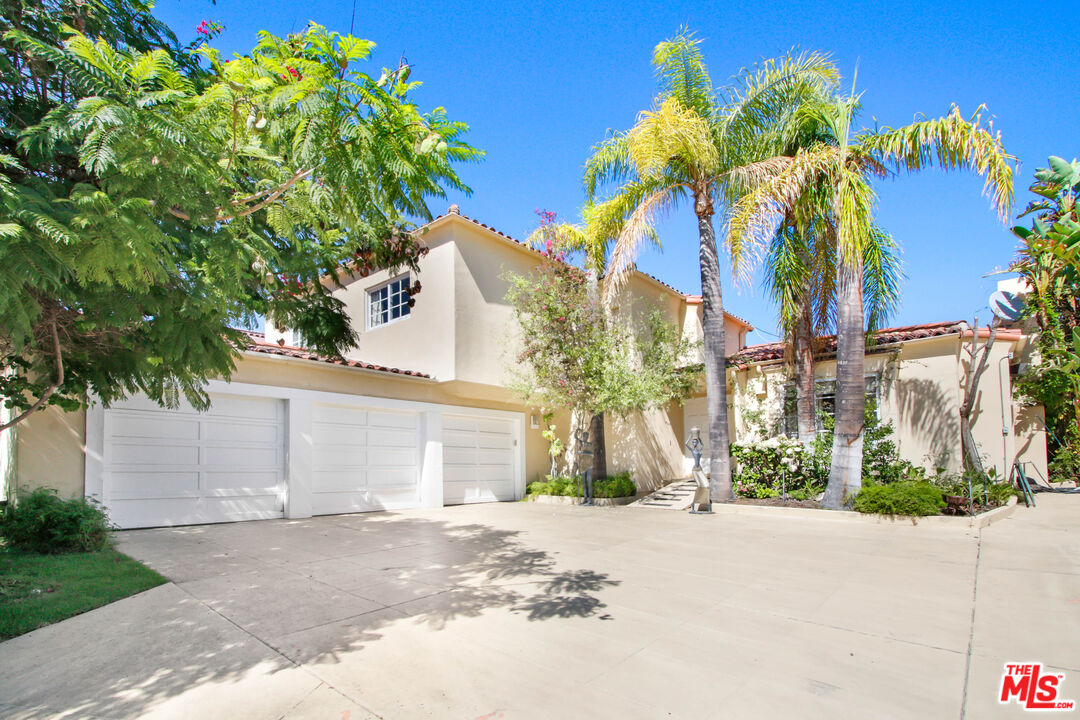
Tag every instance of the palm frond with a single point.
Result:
(952, 143)
(672, 133)
(882, 276)
(681, 73)
(753, 219)
(609, 162)
(662, 197)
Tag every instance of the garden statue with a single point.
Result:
(585, 453)
(702, 503)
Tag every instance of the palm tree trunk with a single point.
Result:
(599, 458)
(712, 323)
(805, 397)
(845, 475)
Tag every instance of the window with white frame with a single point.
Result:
(388, 302)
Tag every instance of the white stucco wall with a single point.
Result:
(921, 389)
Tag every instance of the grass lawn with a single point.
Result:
(36, 590)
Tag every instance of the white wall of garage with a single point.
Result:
(340, 453)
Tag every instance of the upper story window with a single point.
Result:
(388, 302)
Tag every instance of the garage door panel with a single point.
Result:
(330, 435)
(390, 499)
(153, 454)
(239, 432)
(392, 438)
(497, 457)
(495, 473)
(459, 438)
(134, 485)
(389, 457)
(491, 425)
(242, 483)
(459, 422)
(143, 403)
(179, 467)
(242, 457)
(165, 511)
(331, 456)
(392, 420)
(459, 473)
(400, 477)
(499, 442)
(335, 503)
(337, 415)
(340, 480)
(479, 459)
(247, 507)
(127, 424)
(237, 406)
(366, 459)
(459, 455)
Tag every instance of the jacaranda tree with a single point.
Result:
(153, 195)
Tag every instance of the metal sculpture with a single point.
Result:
(585, 454)
(702, 504)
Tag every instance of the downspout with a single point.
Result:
(1004, 419)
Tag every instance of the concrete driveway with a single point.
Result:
(535, 611)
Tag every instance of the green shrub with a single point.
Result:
(556, 485)
(616, 485)
(759, 492)
(43, 522)
(901, 498)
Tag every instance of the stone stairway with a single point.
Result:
(677, 495)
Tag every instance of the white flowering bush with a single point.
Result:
(765, 468)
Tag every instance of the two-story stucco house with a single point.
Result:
(418, 415)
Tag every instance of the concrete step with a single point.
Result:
(678, 495)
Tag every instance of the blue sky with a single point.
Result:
(540, 84)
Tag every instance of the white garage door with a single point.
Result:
(364, 459)
(181, 467)
(478, 459)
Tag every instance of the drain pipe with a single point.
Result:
(1004, 419)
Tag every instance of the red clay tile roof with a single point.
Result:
(260, 345)
(827, 344)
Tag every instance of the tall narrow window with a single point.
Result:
(389, 302)
(825, 391)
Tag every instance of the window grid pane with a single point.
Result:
(390, 302)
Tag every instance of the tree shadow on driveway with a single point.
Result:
(252, 600)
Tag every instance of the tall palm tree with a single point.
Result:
(800, 272)
(847, 164)
(697, 147)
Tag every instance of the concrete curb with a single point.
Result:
(957, 522)
(566, 500)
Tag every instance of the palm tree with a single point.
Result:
(800, 272)
(846, 164)
(695, 146)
